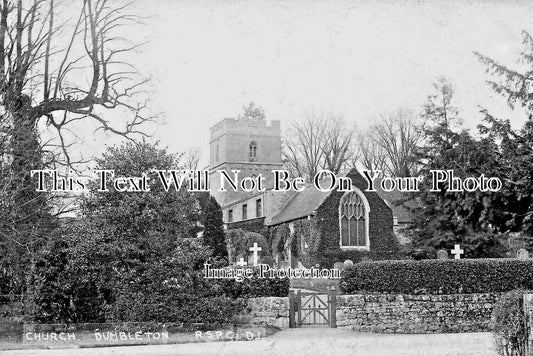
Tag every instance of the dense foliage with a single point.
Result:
(37, 114)
(479, 219)
(240, 241)
(253, 287)
(510, 326)
(132, 256)
(213, 231)
(438, 276)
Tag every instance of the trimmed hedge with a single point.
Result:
(438, 276)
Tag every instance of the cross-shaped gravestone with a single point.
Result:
(457, 252)
(255, 250)
(242, 262)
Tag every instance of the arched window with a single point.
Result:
(353, 216)
(253, 151)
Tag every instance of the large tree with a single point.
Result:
(371, 153)
(131, 256)
(173, 213)
(319, 141)
(398, 134)
(515, 85)
(60, 69)
(444, 218)
(63, 66)
(213, 226)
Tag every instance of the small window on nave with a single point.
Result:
(258, 208)
(244, 211)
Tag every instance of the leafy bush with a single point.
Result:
(239, 242)
(253, 287)
(135, 257)
(510, 325)
(66, 285)
(438, 276)
(69, 286)
(187, 310)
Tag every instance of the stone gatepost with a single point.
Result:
(292, 309)
(332, 305)
(528, 311)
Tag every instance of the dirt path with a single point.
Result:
(311, 341)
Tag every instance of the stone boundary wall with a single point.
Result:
(266, 311)
(401, 313)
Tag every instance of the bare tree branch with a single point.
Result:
(320, 141)
(399, 134)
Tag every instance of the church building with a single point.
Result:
(303, 228)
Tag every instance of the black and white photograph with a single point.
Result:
(255, 177)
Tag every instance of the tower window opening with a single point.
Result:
(253, 151)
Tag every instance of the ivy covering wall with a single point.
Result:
(316, 239)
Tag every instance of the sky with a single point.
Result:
(207, 59)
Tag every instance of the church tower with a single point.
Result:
(251, 146)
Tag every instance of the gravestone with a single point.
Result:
(522, 254)
(442, 255)
(241, 262)
(457, 251)
(242, 257)
(255, 250)
(339, 265)
(516, 241)
(348, 263)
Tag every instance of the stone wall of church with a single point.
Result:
(400, 313)
(267, 311)
(317, 239)
(383, 243)
(253, 225)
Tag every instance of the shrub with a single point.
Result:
(239, 242)
(510, 325)
(66, 285)
(253, 287)
(438, 276)
(187, 310)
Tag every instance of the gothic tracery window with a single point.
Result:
(253, 151)
(353, 224)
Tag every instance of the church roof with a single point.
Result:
(305, 203)
(301, 204)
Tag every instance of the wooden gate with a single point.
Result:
(312, 309)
